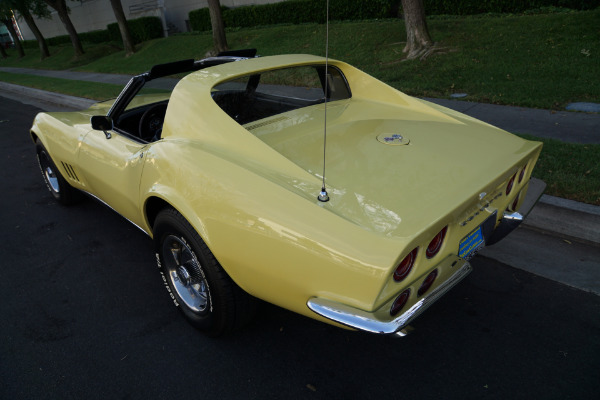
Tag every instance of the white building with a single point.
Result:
(92, 15)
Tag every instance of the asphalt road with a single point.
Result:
(84, 315)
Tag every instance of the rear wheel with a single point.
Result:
(196, 282)
(57, 185)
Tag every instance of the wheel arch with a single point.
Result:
(154, 205)
(36, 132)
(34, 136)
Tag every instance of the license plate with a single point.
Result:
(470, 244)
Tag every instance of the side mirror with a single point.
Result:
(102, 123)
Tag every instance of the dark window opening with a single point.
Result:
(254, 97)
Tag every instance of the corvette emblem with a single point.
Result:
(482, 207)
(393, 139)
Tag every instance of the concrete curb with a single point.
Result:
(554, 215)
(568, 218)
(48, 97)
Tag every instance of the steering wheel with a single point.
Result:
(151, 122)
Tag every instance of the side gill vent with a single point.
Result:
(265, 123)
(70, 171)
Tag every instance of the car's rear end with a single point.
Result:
(437, 259)
(415, 190)
(443, 184)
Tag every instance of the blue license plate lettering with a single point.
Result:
(471, 244)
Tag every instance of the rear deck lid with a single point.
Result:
(393, 169)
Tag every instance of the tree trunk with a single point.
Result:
(218, 27)
(2, 51)
(63, 14)
(36, 32)
(128, 45)
(418, 40)
(15, 37)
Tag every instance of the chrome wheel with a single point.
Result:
(62, 191)
(197, 284)
(52, 179)
(185, 274)
(49, 173)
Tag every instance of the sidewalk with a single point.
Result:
(567, 126)
(557, 216)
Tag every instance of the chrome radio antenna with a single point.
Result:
(323, 196)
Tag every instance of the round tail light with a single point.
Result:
(436, 243)
(405, 265)
(427, 282)
(400, 302)
(510, 185)
(522, 173)
(515, 203)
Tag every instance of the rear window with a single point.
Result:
(254, 97)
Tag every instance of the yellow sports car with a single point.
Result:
(305, 183)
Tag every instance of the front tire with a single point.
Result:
(56, 184)
(196, 282)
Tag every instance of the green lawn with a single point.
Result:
(90, 90)
(570, 170)
(542, 61)
(62, 57)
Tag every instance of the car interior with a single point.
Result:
(256, 97)
(144, 122)
(246, 99)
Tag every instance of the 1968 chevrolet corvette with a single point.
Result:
(224, 167)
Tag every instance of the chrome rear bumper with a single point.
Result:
(511, 220)
(366, 321)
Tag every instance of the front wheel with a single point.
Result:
(57, 185)
(196, 282)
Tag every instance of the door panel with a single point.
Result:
(113, 168)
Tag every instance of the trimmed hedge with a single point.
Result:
(99, 36)
(472, 7)
(295, 12)
(57, 40)
(142, 29)
(29, 44)
(200, 19)
(303, 11)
